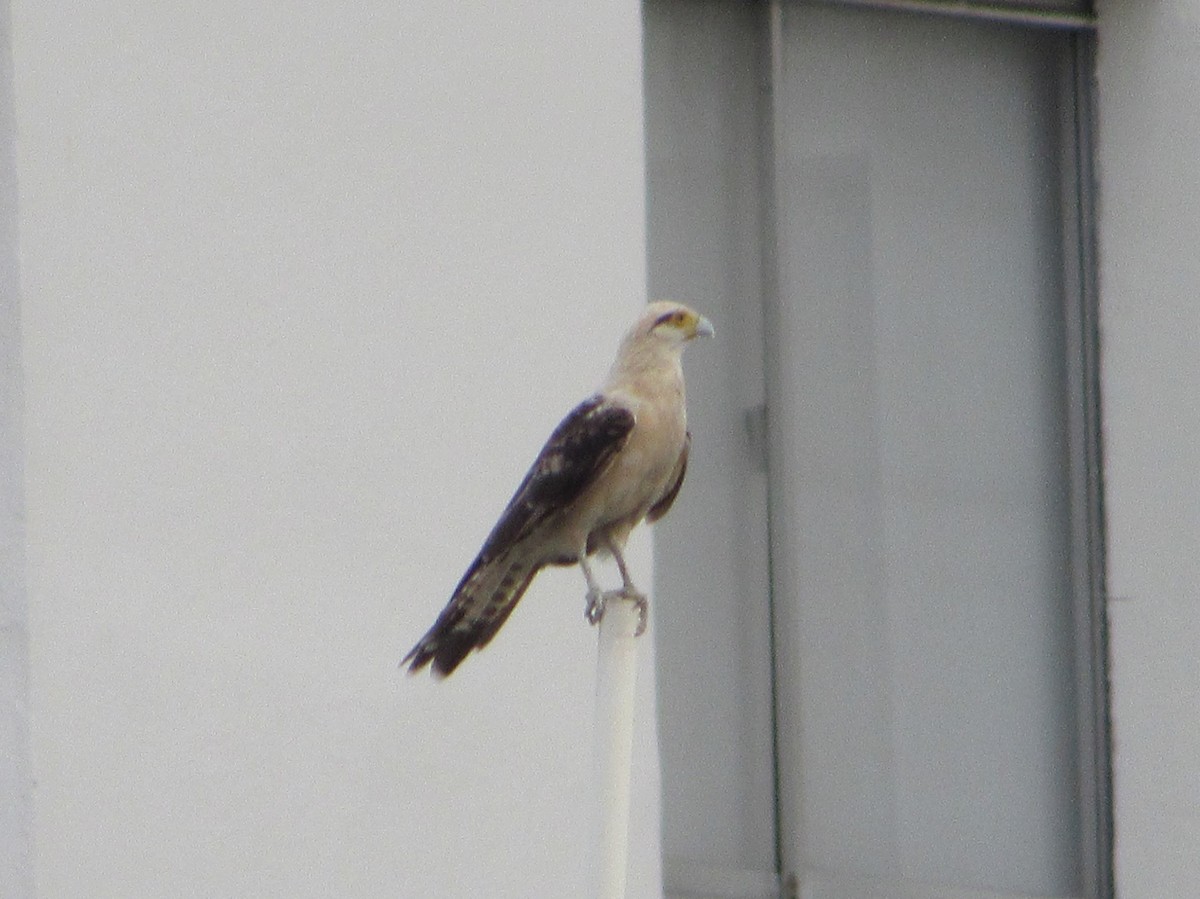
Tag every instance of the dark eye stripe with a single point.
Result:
(664, 318)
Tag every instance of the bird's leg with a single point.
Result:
(595, 598)
(628, 590)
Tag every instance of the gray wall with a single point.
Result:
(1149, 140)
(304, 289)
(16, 787)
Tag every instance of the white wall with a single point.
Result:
(16, 787)
(1149, 144)
(304, 288)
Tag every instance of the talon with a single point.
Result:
(643, 610)
(595, 607)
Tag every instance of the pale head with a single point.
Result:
(672, 322)
(654, 344)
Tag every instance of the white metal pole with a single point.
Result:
(616, 676)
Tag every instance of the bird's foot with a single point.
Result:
(597, 602)
(595, 606)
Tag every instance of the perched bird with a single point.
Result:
(617, 458)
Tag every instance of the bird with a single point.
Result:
(616, 459)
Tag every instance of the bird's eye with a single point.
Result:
(675, 318)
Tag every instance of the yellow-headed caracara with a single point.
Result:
(617, 458)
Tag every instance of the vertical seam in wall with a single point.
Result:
(1085, 452)
(1096, 532)
(770, 74)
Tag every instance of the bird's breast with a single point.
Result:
(639, 473)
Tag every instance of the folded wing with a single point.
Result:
(577, 453)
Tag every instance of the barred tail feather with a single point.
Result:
(480, 605)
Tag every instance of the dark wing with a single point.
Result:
(660, 508)
(576, 453)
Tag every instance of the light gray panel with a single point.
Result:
(920, 558)
(927, 705)
(16, 780)
(835, 744)
(711, 608)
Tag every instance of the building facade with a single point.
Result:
(289, 299)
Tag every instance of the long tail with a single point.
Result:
(482, 602)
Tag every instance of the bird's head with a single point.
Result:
(655, 342)
(672, 322)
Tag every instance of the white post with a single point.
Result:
(616, 675)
